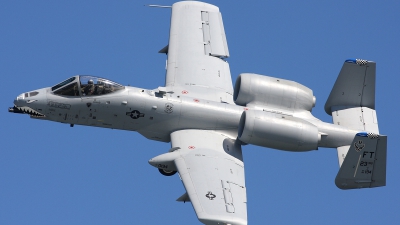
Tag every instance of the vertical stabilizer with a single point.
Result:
(354, 87)
(365, 163)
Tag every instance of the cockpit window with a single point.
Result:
(86, 86)
(33, 93)
(69, 90)
(63, 83)
(98, 86)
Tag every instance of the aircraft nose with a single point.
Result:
(33, 103)
(20, 99)
(30, 97)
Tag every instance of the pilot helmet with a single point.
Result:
(90, 81)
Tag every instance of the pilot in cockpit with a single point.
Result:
(89, 89)
(99, 89)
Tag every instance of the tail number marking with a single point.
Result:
(366, 154)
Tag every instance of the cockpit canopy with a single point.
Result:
(86, 86)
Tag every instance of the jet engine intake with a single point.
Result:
(277, 131)
(260, 90)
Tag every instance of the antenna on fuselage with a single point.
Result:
(159, 6)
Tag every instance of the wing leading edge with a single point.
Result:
(211, 169)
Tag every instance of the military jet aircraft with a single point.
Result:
(207, 120)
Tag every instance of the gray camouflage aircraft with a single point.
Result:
(207, 120)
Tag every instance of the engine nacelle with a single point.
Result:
(273, 92)
(277, 131)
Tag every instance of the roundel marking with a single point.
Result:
(210, 195)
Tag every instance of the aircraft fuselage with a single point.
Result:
(156, 114)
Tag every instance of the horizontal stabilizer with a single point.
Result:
(365, 163)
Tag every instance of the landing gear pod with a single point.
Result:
(167, 172)
(165, 163)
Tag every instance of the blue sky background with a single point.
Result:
(53, 174)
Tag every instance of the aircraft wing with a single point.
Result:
(196, 52)
(211, 169)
